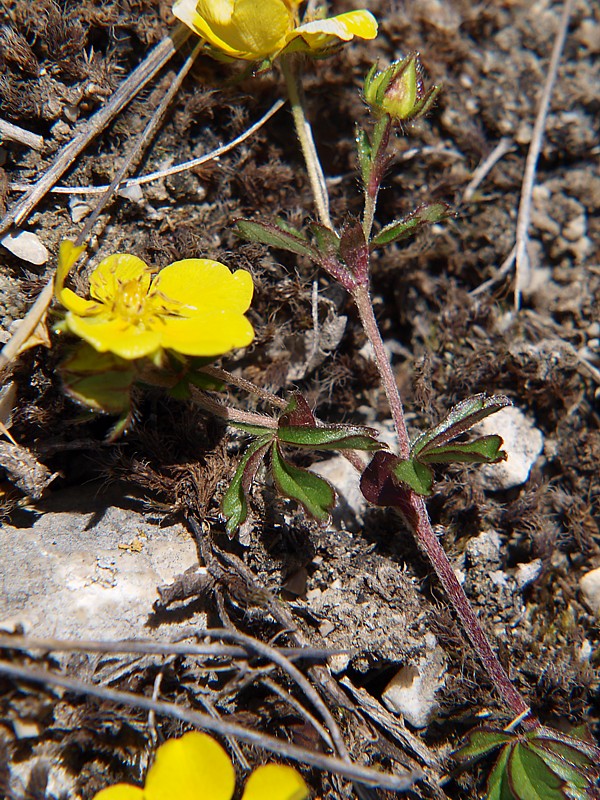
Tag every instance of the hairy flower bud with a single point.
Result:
(399, 91)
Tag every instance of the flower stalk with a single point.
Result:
(316, 176)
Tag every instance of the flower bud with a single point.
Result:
(399, 91)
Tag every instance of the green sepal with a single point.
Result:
(314, 493)
(416, 475)
(530, 778)
(333, 437)
(274, 236)
(399, 229)
(485, 450)
(108, 392)
(365, 154)
(459, 419)
(235, 501)
(498, 787)
(101, 381)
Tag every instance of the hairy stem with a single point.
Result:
(241, 383)
(307, 143)
(415, 512)
(367, 317)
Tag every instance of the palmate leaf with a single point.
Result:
(315, 494)
(542, 764)
(298, 427)
(530, 778)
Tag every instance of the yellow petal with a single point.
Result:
(323, 33)
(115, 271)
(114, 335)
(120, 791)
(210, 334)
(275, 782)
(68, 253)
(203, 286)
(194, 767)
(78, 305)
(236, 28)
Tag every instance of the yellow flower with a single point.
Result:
(256, 30)
(195, 767)
(195, 307)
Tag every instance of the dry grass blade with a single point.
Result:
(524, 215)
(95, 125)
(158, 648)
(354, 772)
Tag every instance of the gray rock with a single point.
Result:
(523, 443)
(87, 568)
(589, 584)
(412, 690)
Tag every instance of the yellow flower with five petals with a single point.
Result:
(196, 767)
(259, 30)
(195, 307)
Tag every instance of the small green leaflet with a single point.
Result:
(315, 494)
(235, 502)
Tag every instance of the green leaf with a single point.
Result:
(332, 437)
(418, 476)
(485, 450)
(530, 778)
(481, 741)
(399, 229)
(253, 430)
(274, 236)
(459, 419)
(497, 786)
(235, 502)
(328, 242)
(315, 494)
(285, 226)
(576, 780)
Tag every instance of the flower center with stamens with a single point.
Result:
(130, 303)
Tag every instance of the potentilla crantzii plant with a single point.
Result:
(164, 329)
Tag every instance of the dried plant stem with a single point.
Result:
(307, 143)
(524, 215)
(372, 777)
(140, 144)
(14, 133)
(95, 125)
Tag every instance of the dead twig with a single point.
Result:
(354, 772)
(156, 59)
(535, 146)
(16, 134)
